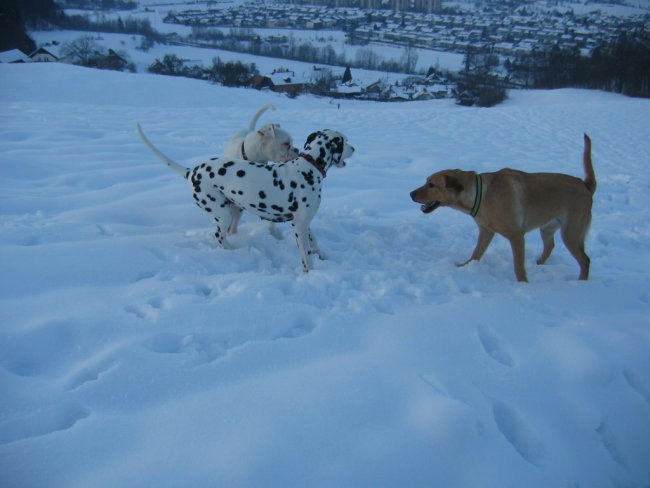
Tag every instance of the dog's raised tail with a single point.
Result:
(181, 170)
(590, 175)
(258, 114)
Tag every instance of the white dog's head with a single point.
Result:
(275, 144)
(328, 148)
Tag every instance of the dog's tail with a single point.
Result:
(181, 170)
(590, 176)
(258, 114)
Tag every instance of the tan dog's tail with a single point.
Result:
(590, 176)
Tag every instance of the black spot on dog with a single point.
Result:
(309, 177)
(222, 171)
(262, 195)
(241, 173)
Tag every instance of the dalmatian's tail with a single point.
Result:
(181, 170)
(258, 114)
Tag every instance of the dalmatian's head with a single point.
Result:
(328, 148)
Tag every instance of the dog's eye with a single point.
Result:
(431, 185)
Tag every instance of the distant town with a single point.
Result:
(505, 44)
(511, 28)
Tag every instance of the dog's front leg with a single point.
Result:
(302, 239)
(518, 244)
(485, 237)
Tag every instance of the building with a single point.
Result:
(42, 55)
(14, 56)
(426, 6)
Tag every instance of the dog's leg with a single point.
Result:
(573, 236)
(302, 239)
(273, 229)
(485, 237)
(547, 232)
(518, 244)
(220, 208)
(314, 248)
(235, 214)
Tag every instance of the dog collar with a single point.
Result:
(243, 151)
(311, 159)
(479, 195)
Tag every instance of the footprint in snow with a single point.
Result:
(42, 422)
(200, 347)
(513, 427)
(494, 347)
(637, 385)
(90, 373)
(610, 443)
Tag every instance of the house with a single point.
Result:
(286, 81)
(14, 56)
(42, 55)
(114, 61)
(283, 81)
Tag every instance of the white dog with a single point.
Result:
(289, 192)
(268, 143)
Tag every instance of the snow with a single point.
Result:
(136, 352)
(129, 46)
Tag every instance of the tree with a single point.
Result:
(347, 75)
(409, 59)
(82, 50)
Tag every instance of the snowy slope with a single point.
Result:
(135, 352)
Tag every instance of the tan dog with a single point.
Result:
(511, 203)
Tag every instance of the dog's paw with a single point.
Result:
(275, 232)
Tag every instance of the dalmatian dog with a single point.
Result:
(268, 143)
(288, 192)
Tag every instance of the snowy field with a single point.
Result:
(135, 352)
(128, 45)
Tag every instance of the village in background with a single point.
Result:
(474, 52)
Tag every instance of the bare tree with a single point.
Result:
(82, 50)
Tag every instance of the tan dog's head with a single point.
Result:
(445, 188)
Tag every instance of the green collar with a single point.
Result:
(479, 195)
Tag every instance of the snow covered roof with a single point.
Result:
(14, 56)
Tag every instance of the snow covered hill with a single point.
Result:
(135, 352)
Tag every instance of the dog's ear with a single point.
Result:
(453, 184)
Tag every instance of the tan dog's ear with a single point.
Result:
(453, 184)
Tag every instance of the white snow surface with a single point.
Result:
(136, 352)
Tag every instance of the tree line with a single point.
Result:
(620, 66)
(247, 41)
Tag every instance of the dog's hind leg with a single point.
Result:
(548, 238)
(235, 215)
(573, 236)
(221, 210)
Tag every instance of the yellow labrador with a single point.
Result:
(511, 203)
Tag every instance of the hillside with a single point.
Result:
(135, 352)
